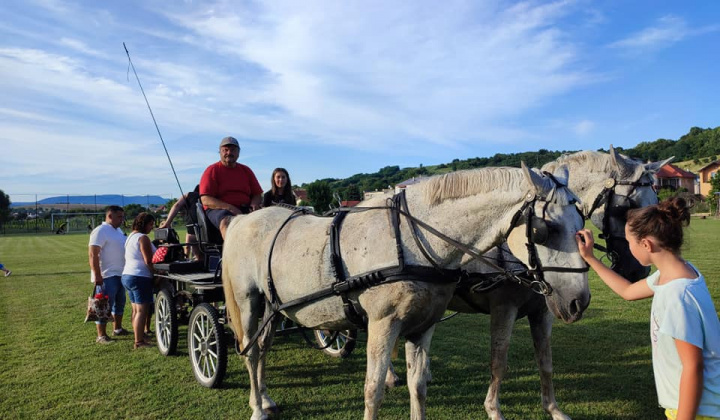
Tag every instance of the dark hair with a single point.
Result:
(113, 209)
(286, 193)
(141, 220)
(663, 221)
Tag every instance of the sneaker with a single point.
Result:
(142, 345)
(120, 331)
(7, 273)
(103, 339)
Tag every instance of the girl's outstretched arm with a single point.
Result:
(691, 380)
(620, 285)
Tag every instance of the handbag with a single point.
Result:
(98, 307)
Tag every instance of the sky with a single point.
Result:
(329, 89)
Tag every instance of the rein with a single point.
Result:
(402, 272)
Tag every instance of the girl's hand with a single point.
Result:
(585, 242)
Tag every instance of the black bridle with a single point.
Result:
(537, 232)
(615, 208)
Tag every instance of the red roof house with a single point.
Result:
(670, 176)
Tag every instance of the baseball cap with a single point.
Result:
(229, 141)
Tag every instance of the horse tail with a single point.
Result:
(232, 309)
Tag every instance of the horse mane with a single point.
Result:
(470, 182)
(592, 161)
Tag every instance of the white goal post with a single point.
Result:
(75, 222)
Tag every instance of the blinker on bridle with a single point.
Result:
(537, 232)
(605, 199)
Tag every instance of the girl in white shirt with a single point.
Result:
(684, 326)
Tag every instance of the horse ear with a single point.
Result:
(533, 179)
(655, 166)
(562, 174)
(617, 160)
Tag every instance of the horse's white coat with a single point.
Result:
(474, 207)
(588, 171)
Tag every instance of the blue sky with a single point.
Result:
(331, 89)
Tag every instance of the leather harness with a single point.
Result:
(397, 206)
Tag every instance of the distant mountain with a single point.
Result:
(104, 199)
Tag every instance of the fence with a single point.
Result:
(48, 213)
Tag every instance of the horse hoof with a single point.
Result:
(392, 383)
(271, 412)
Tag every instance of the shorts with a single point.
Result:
(216, 215)
(113, 287)
(671, 414)
(139, 288)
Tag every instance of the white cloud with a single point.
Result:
(431, 72)
(666, 31)
(584, 127)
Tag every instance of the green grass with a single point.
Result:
(51, 368)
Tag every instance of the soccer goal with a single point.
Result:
(61, 223)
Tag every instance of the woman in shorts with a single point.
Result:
(137, 276)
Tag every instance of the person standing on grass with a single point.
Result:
(684, 326)
(5, 270)
(137, 276)
(107, 259)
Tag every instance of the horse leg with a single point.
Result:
(541, 329)
(417, 354)
(264, 343)
(250, 311)
(381, 336)
(392, 379)
(502, 320)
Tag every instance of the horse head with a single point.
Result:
(629, 187)
(542, 236)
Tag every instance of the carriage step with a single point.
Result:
(177, 267)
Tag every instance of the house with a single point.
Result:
(670, 176)
(300, 195)
(408, 182)
(349, 203)
(707, 173)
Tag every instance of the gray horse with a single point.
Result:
(607, 184)
(275, 256)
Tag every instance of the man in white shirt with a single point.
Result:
(106, 251)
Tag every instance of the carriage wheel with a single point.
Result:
(166, 322)
(206, 345)
(341, 347)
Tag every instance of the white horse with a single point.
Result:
(621, 183)
(475, 208)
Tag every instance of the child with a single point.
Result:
(684, 326)
(5, 270)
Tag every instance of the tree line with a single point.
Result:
(701, 145)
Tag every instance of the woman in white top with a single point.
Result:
(137, 276)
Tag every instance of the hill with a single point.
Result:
(104, 200)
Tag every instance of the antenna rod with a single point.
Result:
(153, 118)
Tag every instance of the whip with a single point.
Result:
(153, 118)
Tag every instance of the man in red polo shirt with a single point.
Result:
(228, 188)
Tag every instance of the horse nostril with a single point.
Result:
(577, 306)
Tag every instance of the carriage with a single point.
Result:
(191, 292)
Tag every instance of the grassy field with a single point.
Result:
(51, 368)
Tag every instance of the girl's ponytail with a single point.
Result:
(663, 221)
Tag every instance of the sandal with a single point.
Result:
(142, 345)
